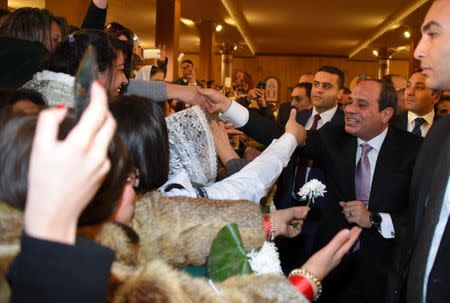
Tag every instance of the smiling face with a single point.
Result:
(418, 98)
(363, 119)
(325, 91)
(115, 79)
(433, 50)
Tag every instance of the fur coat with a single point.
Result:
(168, 232)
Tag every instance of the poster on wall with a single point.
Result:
(272, 84)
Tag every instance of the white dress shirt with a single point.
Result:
(386, 227)
(325, 117)
(252, 182)
(424, 127)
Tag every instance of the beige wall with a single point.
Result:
(289, 68)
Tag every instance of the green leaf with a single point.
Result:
(227, 256)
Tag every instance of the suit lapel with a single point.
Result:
(383, 168)
(303, 116)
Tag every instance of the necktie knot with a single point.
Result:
(419, 121)
(315, 121)
(365, 149)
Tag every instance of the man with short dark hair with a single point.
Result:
(419, 103)
(188, 73)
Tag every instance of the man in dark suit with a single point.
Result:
(188, 74)
(424, 262)
(419, 103)
(368, 168)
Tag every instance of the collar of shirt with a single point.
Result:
(325, 117)
(375, 142)
(428, 117)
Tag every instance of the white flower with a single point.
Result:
(265, 261)
(311, 190)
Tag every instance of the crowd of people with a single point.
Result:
(114, 180)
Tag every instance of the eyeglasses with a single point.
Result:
(133, 179)
(296, 98)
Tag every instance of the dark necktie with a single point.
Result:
(418, 122)
(300, 172)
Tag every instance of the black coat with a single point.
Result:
(47, 271)
(430, 174)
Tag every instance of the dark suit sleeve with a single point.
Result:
(261, 129)
(47, 271)
(95, 18)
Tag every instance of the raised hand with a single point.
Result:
(64, 175)
(323, 261)
(294, 128)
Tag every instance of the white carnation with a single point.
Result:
(311, 190)
(266, 260)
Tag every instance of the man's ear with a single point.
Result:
(339, 94)
(436, 96)
(387, 113)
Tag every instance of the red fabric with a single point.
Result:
(267, 226)
(303, 286)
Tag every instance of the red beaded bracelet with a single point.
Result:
(302, 285)
(268, 227)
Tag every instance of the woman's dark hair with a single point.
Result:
(32, 24)
(116, 29)
(63, 25)
(27, 94)
(16, 138)
(66, 57)
(141, 125)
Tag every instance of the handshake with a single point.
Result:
(212, 101)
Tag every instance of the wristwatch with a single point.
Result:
(375, 220)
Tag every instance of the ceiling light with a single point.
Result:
(407, 34)
(219, 27)
(375, 53)
(230, 21)
(187, 22)
(235, 48)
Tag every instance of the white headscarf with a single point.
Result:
(144, 73)
(191, 146)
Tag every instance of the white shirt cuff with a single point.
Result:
(387, 227)
(236, 114)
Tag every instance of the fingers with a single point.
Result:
(299, 212)
(293, 115)
(47, 126)
(347, 241)
(93, 117)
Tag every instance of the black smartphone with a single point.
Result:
(261, 85)
(86, 75)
